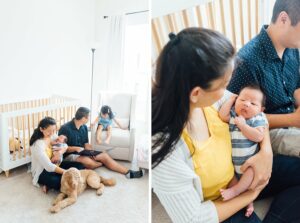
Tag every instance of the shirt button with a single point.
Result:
(288, 109)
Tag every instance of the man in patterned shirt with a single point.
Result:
(271, 60)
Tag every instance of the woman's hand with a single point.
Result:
(56, 157)
(261, 163)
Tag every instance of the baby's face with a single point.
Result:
(61, 139)
(249, 103)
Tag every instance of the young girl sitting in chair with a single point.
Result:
(105, 120)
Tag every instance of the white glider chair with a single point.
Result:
(122, 141)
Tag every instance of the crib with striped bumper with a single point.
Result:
(18, 121)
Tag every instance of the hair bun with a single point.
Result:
(172, 36)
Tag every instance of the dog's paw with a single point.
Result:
(54, 202)
(99, 192)
(54, 209)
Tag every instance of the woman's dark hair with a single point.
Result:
(105, 109)
(291, 7)
(82, 112)
(194, 57)
(44, 123)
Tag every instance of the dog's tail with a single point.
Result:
(108, 182)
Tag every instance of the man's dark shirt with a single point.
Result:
(258, 63)
(76, 137)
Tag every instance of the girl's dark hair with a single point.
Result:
(105, 109)
(194, 57)
(44, 123)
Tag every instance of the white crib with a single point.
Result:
(18, 120)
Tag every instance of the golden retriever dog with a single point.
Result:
(74, 182)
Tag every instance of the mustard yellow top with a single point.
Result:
(49, 152)
(212, 158)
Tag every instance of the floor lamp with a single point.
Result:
(92, 81)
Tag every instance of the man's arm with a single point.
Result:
(72, 149)
(88, 146)
(284, 120)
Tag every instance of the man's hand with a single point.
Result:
(79, 149)
(262, 167)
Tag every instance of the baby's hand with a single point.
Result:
(239, 121)
(233, 97)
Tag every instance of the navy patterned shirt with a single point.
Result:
(76, 137)
(258, 63)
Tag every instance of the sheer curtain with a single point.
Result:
(115, 52)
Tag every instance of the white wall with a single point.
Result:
(45, 48)
(164, 7)
(117, 7)
(107, 8)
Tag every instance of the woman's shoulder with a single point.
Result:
(39, 143)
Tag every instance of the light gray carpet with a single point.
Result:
(159, 214)
(20, 201)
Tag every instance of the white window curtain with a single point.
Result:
(115, 52)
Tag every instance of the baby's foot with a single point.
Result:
(107, 141)
(228, 194)
(249, 210)
(44, 189)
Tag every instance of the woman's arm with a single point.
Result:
(261, 162)
(43, 159)
(284, 120)
(228, 208)
(59, 170)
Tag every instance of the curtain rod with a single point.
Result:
(129, 13)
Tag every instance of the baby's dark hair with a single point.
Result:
(66, 138)
(105, 109)
(256, 87)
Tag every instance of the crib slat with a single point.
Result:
(223, 27)
(24, 140)
(185, 18)
(241, 21)
(13, 138)
(210, 13)
(249, 19)
(29, 133)
(232, 23)
(256, 16)
(157, 41)
(199, 16)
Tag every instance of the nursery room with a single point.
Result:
(193, 178)
(74, 77)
